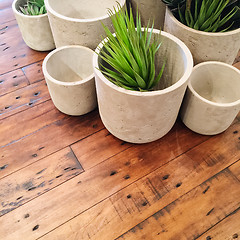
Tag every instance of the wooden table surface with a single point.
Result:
(65, 177)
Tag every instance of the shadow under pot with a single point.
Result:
(212, 100)
(79, 22)
(35, 29)
(69, 75)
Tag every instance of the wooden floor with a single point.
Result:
(65, 177)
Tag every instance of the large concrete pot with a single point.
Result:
(153, 10)
(205, 46)
(35, 30)
(212, 99)
(69, 75)
(141, 117)
(79, 22)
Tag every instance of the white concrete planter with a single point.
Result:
(69, 75)
(79, 22)
(35, 30)
(153, 10)
(212, 99)
(205, 46)
(141, 117)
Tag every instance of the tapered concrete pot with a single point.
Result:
(153, 10)
(79, 22)
(212, 99)
(35, 30)
(69, 75)
(205, 46)
(141, 117)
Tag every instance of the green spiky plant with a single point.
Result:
(207, 15)
(33, 7)
(129, 55)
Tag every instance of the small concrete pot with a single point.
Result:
(212, 100)
(205, 46)
(35, 30)
(141, 117)
(153, 10)
(69, 75)
(79, 22)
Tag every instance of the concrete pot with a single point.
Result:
(212, 99)
(79, 22)
(205, 46)
(153, 10)
(35, 30)
(141, 117)
(69, 75)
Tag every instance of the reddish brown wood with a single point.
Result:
(113, 175)
(37, 179)
(34, 72)
(12, 81)
(23, 99)
(156, 190)
(64, 177)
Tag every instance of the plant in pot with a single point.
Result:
(210, 28)
(33, 23)
(141, 77)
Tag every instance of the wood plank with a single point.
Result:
(228, 229)
(140, 200)
(12, 81)
(27, 122)
(15, 54)
(86, 189)
(183, 220)
(6, 15)
(23, 99)
(235, 168)
(5, 4)
(97, 148)
(36, 179)
(33, 72)
(55, 136)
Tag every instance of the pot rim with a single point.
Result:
(222, 64)
(171, 88)
(215, 34)
(51, 10)
(24, 15)
(49, 77)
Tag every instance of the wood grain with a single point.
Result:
(23, 99)
(37, 179)
(85, 190)
(228, 229)
(27, 122)
(97, 148)
(38, 145)
(177, 221)
(12, 81)
(33, 72)
(153, 192)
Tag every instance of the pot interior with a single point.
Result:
(216, 82)
(20, 3)
(82, 9)
(70, 64)
(176, 62)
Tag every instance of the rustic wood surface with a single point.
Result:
(65, 177)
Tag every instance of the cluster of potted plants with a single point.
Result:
(141, 73)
